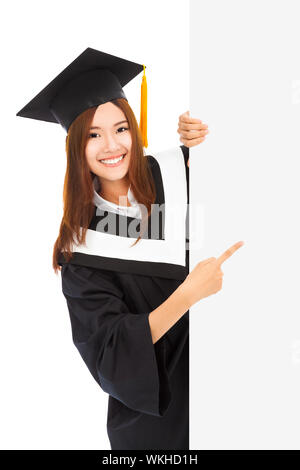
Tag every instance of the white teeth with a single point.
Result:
(114, 160)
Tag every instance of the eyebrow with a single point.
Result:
(117, 123)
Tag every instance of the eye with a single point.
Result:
(95, 134)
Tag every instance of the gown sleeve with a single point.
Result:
(115, 344)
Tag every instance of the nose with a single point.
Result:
(110, 142)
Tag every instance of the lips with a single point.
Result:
(111, 158)
(117, 163)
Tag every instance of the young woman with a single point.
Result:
(123, 255)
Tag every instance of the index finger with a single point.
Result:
(229, 252)
(186, 118)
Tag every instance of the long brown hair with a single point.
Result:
(78, 190)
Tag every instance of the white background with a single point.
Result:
(49, 400)
(245, 340)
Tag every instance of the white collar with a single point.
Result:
(131, 211)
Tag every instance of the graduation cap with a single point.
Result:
(93, 78)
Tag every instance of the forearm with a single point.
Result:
(169, 312)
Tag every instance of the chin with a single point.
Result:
(111, 175)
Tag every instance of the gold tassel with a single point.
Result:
(143, 116)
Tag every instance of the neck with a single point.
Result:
(113, 190)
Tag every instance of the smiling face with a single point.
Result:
(109, 137)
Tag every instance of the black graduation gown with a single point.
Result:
(109, 301)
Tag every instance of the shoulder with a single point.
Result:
(152, 162)
(180, 152)
(81, 281)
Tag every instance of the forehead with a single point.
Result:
(107, 113)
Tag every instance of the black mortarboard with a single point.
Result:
(93, 78)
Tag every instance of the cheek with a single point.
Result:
(126, 140)
(91, 147)
(90, 155)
